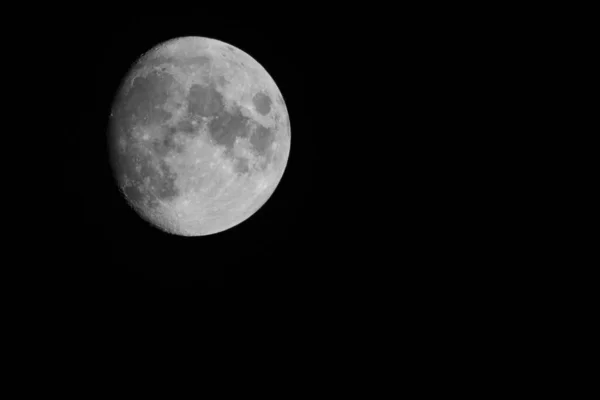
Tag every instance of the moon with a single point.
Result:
(200, 136)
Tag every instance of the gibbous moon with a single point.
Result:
(200, 136)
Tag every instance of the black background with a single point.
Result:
(424, 254)
(105, 245)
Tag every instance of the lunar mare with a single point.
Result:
(192, 154)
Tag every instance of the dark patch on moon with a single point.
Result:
(204, 100)
(143, 102)
(262, 103)
(261, 139)
(186, 126)
(226, 127)
(134, 194)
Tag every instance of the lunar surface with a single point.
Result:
(200, 136)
